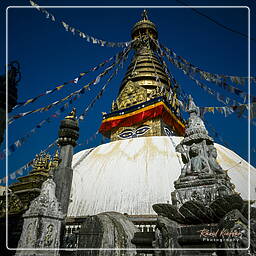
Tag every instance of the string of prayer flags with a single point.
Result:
(47, 14)
(215, 134)
(218, 96)
(227, 110)
(18, 143)
(187, 70)
(82, 116)
(21, 170)
(59, 87)
(21, 141)
(218, 79)
(74, 94)
(93, 137)
(91, 39)
(75, 31)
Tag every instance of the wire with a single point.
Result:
(216, 22)
(234, 166)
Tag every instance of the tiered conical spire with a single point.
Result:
(146, 104)
(145, 72)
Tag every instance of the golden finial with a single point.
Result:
(56, 160)
(144, 14)
(56, 155)
(38, 162)
(72, 114)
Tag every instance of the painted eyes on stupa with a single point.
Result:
(142, 130)
(126, 134)
(133, 133)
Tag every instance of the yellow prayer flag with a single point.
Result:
(59, 87)
(28, 101)
(211, 109)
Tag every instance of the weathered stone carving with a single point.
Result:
(166, 236)
(197, 148)
(107, 230)
(204, 198)
(42, 223)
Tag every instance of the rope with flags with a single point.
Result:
(18, 143)
(81, 118)
(187, 70)
(21, 170)
(226, 110)
(75, 31)
(73, 95)
(59, 87)
(216, 78)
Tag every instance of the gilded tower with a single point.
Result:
(146, 104)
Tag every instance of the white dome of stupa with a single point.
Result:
(129, 176)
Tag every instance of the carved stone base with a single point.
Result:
(201, 187)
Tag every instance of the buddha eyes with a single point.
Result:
(133, 133)
(142, 130)
(126, 134)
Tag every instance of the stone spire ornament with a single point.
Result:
(197, 148)
(201, 169)
(42, 223)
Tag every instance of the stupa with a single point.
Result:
(159, 180)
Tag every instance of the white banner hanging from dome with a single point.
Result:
(74, 31)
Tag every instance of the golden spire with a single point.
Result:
(145, 83)
(72, 114)
(144, 14)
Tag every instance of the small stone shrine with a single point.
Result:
(206, 211)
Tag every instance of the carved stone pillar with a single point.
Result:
(68, 134)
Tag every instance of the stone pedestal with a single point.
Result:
(202, 187)
(42, 224)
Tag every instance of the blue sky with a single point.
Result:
(49, 56)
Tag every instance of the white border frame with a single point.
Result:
(130, 249)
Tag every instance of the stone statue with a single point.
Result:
(198, 161)
(184, 153)
(212, 155)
